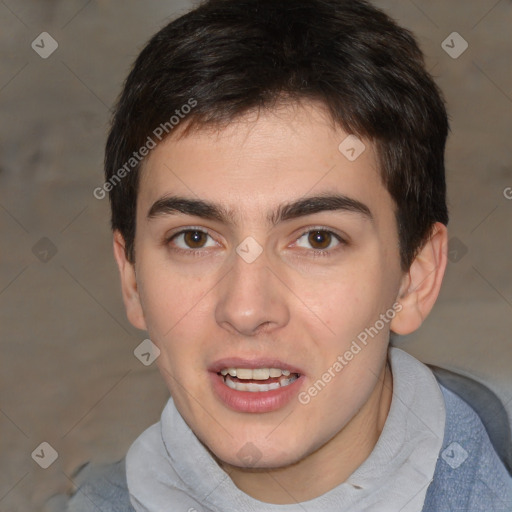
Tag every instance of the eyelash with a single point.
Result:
(315, 252)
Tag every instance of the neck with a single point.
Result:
(335, 461)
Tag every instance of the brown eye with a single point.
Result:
(191, 240)
(194, 239)
(320, 239)
(320, 242)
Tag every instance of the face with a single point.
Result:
(261, 249)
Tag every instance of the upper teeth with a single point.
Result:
(254, 373)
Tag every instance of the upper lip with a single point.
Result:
(239, 362)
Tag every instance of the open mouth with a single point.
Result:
(257, 379)
(255, 385)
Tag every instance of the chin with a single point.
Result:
(257, 454)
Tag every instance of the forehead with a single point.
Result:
(263, 160)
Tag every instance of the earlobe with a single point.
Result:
(421, 284)
(129, 287)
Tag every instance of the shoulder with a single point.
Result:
(469, 474)
(101, 488)
(104, 487)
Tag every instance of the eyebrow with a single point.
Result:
(170, 205)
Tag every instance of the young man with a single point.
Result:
(276, 177)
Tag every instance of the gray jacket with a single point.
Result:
(469, 475)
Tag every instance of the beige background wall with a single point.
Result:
(68, 373)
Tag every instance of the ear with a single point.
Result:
(421, 284)
(129, 288)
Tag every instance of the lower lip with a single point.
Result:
(257, 401)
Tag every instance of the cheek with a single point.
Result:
(167, 298)
(175, 318)
(349, 300)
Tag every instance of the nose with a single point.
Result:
(252, 299)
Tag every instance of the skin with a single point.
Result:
(290, 303)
